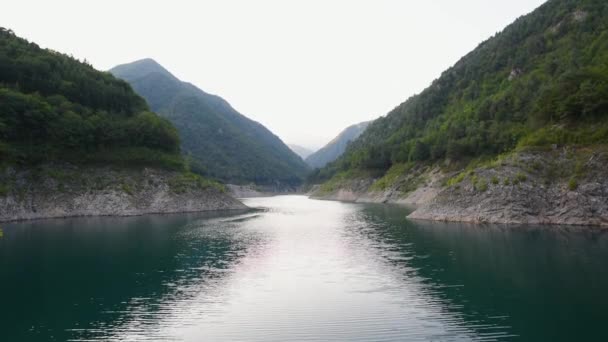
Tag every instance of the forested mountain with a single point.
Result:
(542, 81)
(56, 108)
(221, 142)
(335, 148)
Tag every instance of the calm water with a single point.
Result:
(300, 270)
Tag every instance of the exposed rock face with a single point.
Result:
(579, 15)
(245, 191)
(417, 187)
(515, 73)
(252, 190)
(568, 187)
(64, 191)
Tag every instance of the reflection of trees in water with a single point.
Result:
(205, 253)
(71, 273)
(546, 282)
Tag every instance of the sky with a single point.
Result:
(306, 69)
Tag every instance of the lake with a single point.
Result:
(300, 270)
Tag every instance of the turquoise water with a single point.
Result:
(299, 270)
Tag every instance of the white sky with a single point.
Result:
(306, 69)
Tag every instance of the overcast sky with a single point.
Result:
(305, 69)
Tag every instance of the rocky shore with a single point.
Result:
(562, 187)
(53, 191)
(253, 190)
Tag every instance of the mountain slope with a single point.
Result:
(301, 151)
(542, 81)
(221, 142)
(335, 148)
(514, 132)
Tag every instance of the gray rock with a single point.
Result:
(559, 186)
(63, 191)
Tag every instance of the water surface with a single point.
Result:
(299, 270)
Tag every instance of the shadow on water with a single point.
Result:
(539, 283)
(93, 274)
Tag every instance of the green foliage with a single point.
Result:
(495, 180)
(135, 157)
(342, 179)
(585, 133)
(572, 184)
(521, 177)
(53, 107)
(126, 188)
(482, 185)
(456, 180)
(4, 189)
(391, 176)
(542, 81)
(187, 181)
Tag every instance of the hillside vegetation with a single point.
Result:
(56, 108)
(542, 81)
(219, 141)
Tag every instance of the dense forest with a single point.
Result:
(56, 108)
(542, 81)
(218, 141)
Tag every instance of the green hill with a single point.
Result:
(542, 81)
(56, 108)
(220, 142)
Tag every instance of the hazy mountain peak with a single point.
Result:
(336, 147)
(139, 69)
(302, 151)
(221, 142)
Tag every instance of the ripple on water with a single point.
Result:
(298, 270)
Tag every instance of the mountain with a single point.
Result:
(75, 141)
(302, 151)
(221, 142)
(337, 146)
(540, 82)
(515, 132)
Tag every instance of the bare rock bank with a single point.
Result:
(565, 186)
(254, 190)
(52, 191)
(415, 187)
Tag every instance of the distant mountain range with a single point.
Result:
(335, 148)
(302, 151)
(221, 142)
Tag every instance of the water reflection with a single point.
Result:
(544, 283)
(81, 278)
(300, 270)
